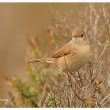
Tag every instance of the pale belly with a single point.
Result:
(73, 62)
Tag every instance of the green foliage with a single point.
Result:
(36, 78)
(52, 100)
(27, 94)
(36, 54)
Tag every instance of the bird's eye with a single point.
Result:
(76, 36)
(81, 35)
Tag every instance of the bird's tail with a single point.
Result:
(47, 60)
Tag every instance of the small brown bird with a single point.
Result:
(72, 56)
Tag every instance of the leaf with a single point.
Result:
(89, 101)
(98, 84)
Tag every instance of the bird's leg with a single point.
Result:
(80, 80)
(91, 68)
(79, 76)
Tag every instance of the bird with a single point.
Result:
(71, 56)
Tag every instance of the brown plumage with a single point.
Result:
(73, 55)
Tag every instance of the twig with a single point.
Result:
(104, 99)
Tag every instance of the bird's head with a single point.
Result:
(78, 32)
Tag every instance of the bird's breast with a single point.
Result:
(76, 59)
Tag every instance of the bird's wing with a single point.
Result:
(62, 52)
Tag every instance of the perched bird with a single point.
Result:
(72, 56)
